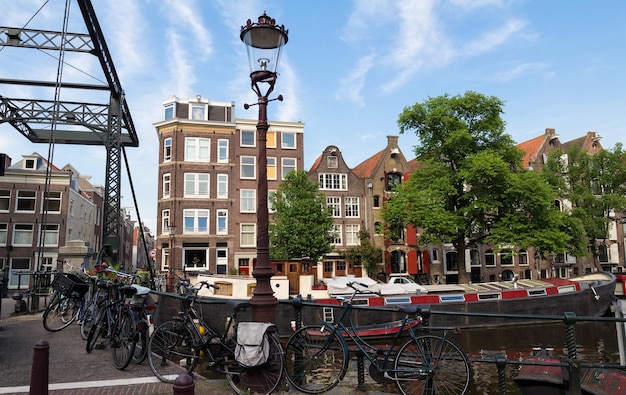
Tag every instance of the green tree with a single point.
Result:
(301, 225)
(593, 187)
(365, 254)
(470, 188)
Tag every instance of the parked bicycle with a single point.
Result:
(65, 302)
(176, 347)
(317, 356)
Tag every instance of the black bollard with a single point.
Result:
(39, 373)
(184, 385)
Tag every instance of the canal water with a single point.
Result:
(596, 342)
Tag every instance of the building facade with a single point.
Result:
(208, 184)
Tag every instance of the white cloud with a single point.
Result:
(351, 87)
(489, 40)
(519, 70)
(182, 17)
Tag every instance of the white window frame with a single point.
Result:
(271, 164)
(222, 186)
(333, 181)
(286, 144)
(247, 201)
(221, 222)
(55, 197)
(270, 194)
(197, 112)
(5, 198)
(197, 149)
(167, 109)
(167, 185)
(4, 232)
(165, 259)
(197, 185)
(337, 239)
(333, 203)
(286, 168)
(221, 263)
(247, 231)
(351, 207)
(51, 236)
(250, 162)
(352, 234)
(165, 221)
(167, 149)
(32, 199)
(222, 150)
(196, 216)
(20, 235)
(247, 132)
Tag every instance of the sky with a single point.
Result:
(349, 69)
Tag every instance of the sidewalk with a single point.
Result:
(72, 371)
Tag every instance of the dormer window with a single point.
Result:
(30, 163)
(169, 110)
(332, 161)
(197, 112)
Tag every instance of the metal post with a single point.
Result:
(39, 373)
(184, 385)
(573, 365)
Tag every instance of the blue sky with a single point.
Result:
(348, 70)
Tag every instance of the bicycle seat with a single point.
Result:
(128, 290)
(141, 290)
(238, 304)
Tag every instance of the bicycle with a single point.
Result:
(65, 302)
(115, 324)
(317, 356)
(176, 346)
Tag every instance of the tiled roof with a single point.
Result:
(366, 168)
(531, 148)
(316, 164)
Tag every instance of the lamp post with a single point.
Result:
(171, 273)
(264, 41)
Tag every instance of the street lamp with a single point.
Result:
(264, 41)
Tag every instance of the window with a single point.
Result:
(474, 258)
(197, 112)
(29, 163)
(333, 181)
(271, 199)
(165, 221)
(26, 201)
(271, 168)
(17, 265)
(248, 235)
(50, 234)
(5, 200)
(168, 110)
(221, 260)
(197, 149)
(52, 202)
(288, 140)
(289, 165)
(196, 221)
(490, 259)
(452, 261)
(195, 258)
(196, 185)
(506, 257)
(248, 138)
(167, 149)
(165, 259)
(332, 162)
(222, 151)
(221, 227)
(248, 201)
(270, 140)
(4, 230)
(23, 235)
(336, 234)
(167, 179)
(352, 234)
(248, 167)
(376, 201)
(393, 179)
(222, 186)
(523, 257)
(333, 204)
(352, 207)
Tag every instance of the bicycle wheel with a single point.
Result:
(171, 351)
(432, 364)
(97, 330)
(263, 379)
(124, 339)
(60, 313)
(141, 348)
(316, 359)
(87, 322)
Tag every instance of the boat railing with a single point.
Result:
(571, 365)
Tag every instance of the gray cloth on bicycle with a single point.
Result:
(253, 347)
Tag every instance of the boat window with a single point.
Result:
(489, 296)
(567, 288)
(537, 292)
(452, 298)
(389, 301)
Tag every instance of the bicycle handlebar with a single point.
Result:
(353, 284)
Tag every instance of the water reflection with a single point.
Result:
(596, 342)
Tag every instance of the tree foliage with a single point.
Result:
(301, 225)
(470, 188)
(365, 254)
(594, 188)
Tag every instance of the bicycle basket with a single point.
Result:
(66, 283)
